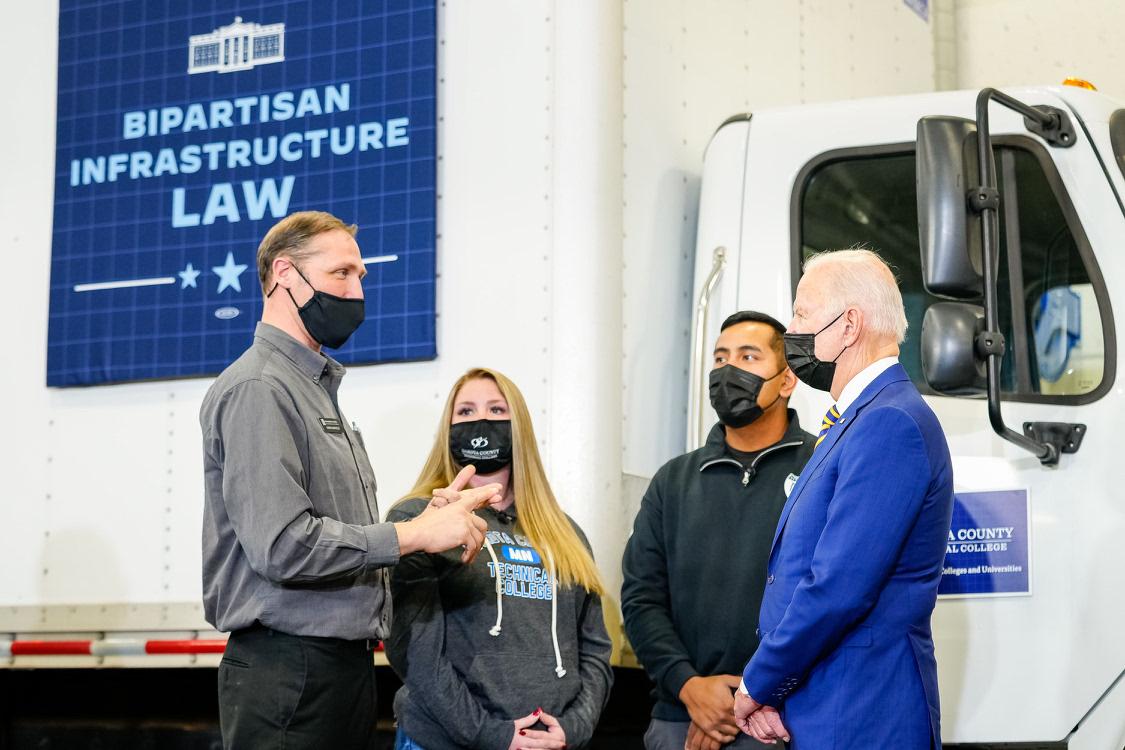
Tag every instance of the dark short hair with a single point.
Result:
(777, 343)
(752, 316)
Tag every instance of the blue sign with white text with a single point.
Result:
(988, 549)
(185, 131)
(520, 554)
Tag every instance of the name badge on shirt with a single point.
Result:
(331, 425)
(790, 483)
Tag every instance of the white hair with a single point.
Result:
(861, 279)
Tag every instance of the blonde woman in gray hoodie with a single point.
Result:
(510, 650)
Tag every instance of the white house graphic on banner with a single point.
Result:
(239, 46)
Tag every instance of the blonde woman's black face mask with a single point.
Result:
(484, 443)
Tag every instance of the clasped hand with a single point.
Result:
(525, 737)
(710, 704)
(763, 723)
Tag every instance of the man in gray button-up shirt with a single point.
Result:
(294, 556)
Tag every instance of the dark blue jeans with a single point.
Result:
(402, 742)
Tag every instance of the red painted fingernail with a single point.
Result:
(538, 711)
(522, 732)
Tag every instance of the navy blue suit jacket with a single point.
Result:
(846, 648)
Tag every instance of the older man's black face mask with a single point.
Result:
(800, 353)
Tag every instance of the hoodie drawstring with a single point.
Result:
(555, 617)
(495, 629)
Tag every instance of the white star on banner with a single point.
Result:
(228, 273)
(188, 277)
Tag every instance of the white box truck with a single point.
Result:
(1012, 279)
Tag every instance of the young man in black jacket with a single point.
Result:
(696, 562)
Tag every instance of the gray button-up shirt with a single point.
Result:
(290, 532)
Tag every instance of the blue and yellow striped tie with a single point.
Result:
(830, 418)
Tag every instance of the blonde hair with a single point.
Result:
(291, 236)
(540, 516)
(863, 280)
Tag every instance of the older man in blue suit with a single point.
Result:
(847, 657)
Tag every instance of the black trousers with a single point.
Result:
(286, 691)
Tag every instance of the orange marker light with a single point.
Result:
(1081, 83)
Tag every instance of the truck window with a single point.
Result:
(1049, 310)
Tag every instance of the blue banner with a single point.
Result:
(988, 549)
(185, 131)
(921, 7)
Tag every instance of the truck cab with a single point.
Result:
(1028, 631)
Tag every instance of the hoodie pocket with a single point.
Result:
(514, 685)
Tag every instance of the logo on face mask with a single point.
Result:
(484, 443)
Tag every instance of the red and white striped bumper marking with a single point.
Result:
(111, 647)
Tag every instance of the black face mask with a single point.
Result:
(329, 319)
(734, 394)
(800, 353)
(485, 443)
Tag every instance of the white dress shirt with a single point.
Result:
(862, 379)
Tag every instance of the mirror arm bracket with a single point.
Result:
(990, 343)
(1054, 126)
(1066, 437)
(982, 197)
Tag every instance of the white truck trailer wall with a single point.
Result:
(102, 498)
(1020, 42)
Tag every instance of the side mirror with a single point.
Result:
(949, 233)
(949, 360)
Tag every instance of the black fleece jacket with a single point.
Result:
(695, 566)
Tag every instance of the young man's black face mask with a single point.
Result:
(734, 395)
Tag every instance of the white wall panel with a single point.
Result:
(28, 53)
(585, 274)
(1028, 42)
(862, 48)
(660, 188)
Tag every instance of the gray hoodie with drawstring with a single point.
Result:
(480, 645)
